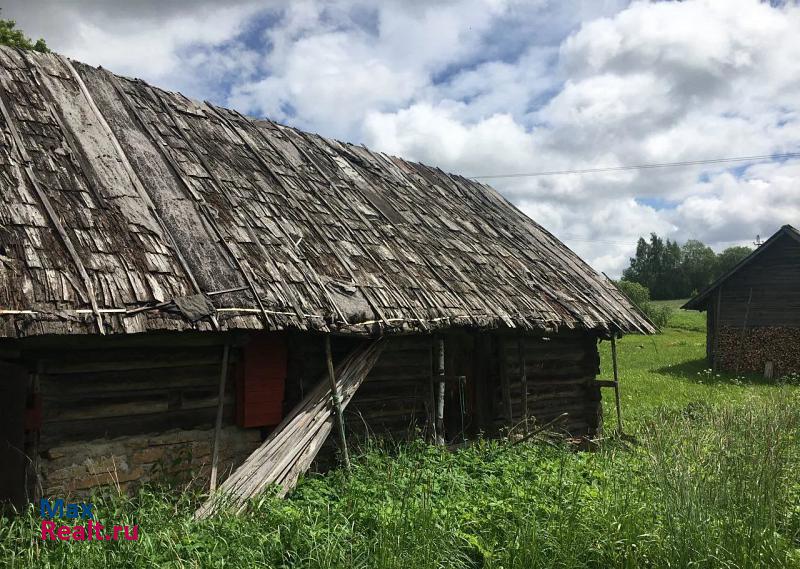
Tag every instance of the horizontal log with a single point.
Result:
(74, 409)
(130, 381)
(110, 427)
(9, 350)
(113, 361)
(33, 345)
(401, 366)
(572, 390)
(535, 384)
(370, 414)
(422, 378)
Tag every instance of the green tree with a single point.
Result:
(13, 36)
(669, 270)
(729, 258)
(657, 266)
(698, 265)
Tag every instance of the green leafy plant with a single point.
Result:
(14, 37)
(659, 314)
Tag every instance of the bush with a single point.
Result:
(640, 296)
(636, 293)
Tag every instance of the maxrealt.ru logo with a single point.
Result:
(83, 512)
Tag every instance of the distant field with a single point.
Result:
(677, 303)
(670, 370)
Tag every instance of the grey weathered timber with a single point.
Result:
(223, 376)
(615, 367)
(505, 383)
(336, 401)
(440, 391)
(292, 446)
(523, 381)
(131, 196)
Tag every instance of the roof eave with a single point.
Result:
(699, 301)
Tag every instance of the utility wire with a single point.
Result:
(588, 240)
(643, 166)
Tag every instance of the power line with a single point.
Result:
(588, 240)
(643, 166)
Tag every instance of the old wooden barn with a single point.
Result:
(170, 272)
(753, 311)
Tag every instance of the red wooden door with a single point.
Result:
(261, 381)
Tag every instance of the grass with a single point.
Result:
(711, 482)
(670, 371)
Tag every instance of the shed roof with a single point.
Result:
(127, 208)
(700, 300)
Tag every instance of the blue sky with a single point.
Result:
(501, 86)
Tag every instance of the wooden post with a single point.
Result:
(440, 398)
(505, 384)
(616, 380)
(717, 329)
(482, 399)
(223, 375)
(431, 395)
(337, 402)
(523, 379)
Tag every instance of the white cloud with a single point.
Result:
(730, 207)
(498, 86)
(656, 82)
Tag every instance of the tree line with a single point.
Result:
(670, 270)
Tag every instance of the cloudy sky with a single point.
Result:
(483, 87)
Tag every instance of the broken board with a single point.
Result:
(289, 451)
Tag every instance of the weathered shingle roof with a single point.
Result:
(700, 301)
(118, 197)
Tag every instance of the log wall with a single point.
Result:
(124, 410)
(560, 372)
(390, 402)
(396, 397)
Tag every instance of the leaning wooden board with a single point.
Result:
(291, 448)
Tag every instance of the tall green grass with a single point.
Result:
(704, 486)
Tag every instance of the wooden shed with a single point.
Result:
(170, 271)
(753, 311)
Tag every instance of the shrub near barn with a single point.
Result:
(640, 296)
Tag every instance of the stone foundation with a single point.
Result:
(121, 464)
(759, 345)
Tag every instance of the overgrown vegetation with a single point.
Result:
(13, 36)
(710, 482)
(637, 293)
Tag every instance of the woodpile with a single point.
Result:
(750, 349)
(291, 448)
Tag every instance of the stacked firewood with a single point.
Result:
(751, 349)
(291, 448)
